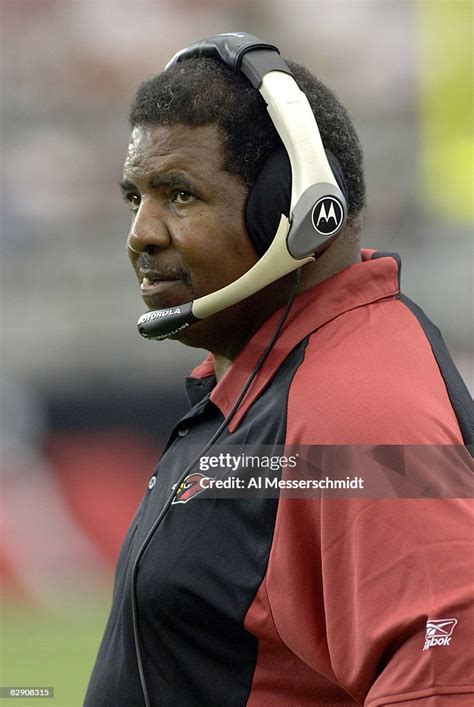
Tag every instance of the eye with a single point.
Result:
(134, 199)
(180, 197)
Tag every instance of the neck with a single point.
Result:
(342, 253)
(221, 364)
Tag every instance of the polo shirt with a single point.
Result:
(305, 601)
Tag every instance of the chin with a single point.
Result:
(168, 295)
(196, 335)
(152, 303)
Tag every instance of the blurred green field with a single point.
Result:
(41, 649)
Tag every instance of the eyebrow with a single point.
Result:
(175, 179)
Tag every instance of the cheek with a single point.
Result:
(215, 249)
(219, 265)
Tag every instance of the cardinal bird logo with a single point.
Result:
(191, 486)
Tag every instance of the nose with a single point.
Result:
(149, 229)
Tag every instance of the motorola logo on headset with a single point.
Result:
(328, 215)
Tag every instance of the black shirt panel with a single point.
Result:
(198, 388)
(458, 393)
(198, 575)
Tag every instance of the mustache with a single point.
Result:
(147, 263)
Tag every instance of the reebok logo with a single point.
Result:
(438, 632)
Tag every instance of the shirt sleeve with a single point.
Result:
(377, 594)
(398, 578)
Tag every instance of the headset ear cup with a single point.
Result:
(269, 198)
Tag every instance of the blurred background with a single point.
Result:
(86, 404)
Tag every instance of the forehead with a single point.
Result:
(153, 149)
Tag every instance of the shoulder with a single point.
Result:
(370, 377)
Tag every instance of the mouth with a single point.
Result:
(163, 287)
(151, 285)
(152, 280)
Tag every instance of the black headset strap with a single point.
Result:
(240, 51)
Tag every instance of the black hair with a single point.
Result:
(203, 91)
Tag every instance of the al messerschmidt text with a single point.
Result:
(259, 482)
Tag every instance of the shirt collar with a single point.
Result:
(376, 277)
(199, 386)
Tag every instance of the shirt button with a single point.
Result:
(152, 482)
(183, 431)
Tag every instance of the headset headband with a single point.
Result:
(318, 209)
(231, 48)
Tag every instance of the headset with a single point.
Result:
(318, 203)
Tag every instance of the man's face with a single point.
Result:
(188, 221)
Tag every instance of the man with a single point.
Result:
(280, 601)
